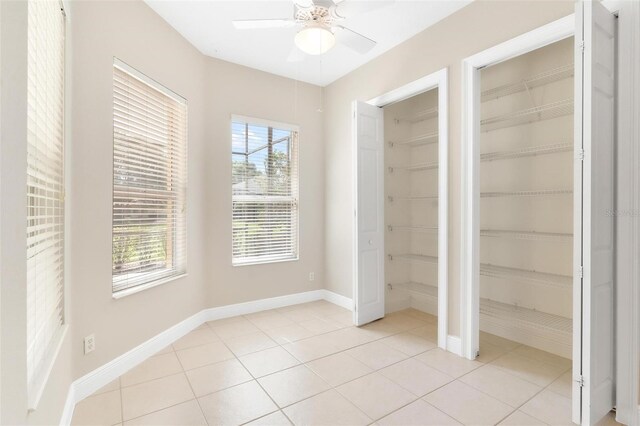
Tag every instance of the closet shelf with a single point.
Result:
(533, 193)
(392, 198)
(415, 167)
(526, 152)
(530, 115)
(530, 320)
(428, 229)
(417, 287)
(414, 258)
(527, 235)
(425, 139)
(547, 77)
(526, 275)
(420, 115)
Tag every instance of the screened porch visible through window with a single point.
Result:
(265, 192)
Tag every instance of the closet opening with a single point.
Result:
(401, 192)
(526, 200)
(538, 249)
(411, 204)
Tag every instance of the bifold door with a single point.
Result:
(369, 157)
(593, 369)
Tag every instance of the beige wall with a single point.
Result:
(474, 28)
(98, 31)
(214, 90)
(234, 89)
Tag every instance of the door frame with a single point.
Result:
(628, 206)
(437, 80)
(470, 184)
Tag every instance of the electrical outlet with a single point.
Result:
(89, 344)
(312, 276)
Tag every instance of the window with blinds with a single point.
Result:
(149, 181)
(265, 192)
(45, 190)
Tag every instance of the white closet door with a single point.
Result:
(369, 291)
(594, 204)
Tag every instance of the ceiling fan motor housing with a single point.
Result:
(319, 13)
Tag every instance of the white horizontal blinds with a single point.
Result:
(45, 186)
(265, 193)
(149, 181)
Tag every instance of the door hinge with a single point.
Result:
(580, 154)
(580, 272)
(580, 381)
(581, 46)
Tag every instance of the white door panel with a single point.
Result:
(369, 291)
(595, 133)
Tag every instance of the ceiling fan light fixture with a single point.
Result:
(315, 39)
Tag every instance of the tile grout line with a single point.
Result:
(305, 364)
(542, 388)
(191, 387)
(174, 351)
(377, 338)
(121, 400)
(335, 387)
(254, 379)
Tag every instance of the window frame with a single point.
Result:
(263, 260)
(154, 277)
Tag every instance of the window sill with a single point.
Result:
(265, 262)
(129, 291)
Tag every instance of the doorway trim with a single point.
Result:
(437, 80)
(628, 206)
(470, 183)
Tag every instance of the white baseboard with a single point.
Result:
(454, 345)
(338, 299)
(424, 303)
(69, 406)
(396, 302)
(557, 343)
(105, 374)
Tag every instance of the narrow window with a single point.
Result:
(264, 191)
(45, 190)
(149, 182)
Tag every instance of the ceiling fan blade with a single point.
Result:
(250, 24)
(354, 40)
(296, 55)
(349, 8)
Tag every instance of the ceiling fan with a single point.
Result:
(319, 22)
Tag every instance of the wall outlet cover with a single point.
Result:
(89, 343)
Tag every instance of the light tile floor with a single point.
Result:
(306, 365)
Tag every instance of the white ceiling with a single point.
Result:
(207, 25)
